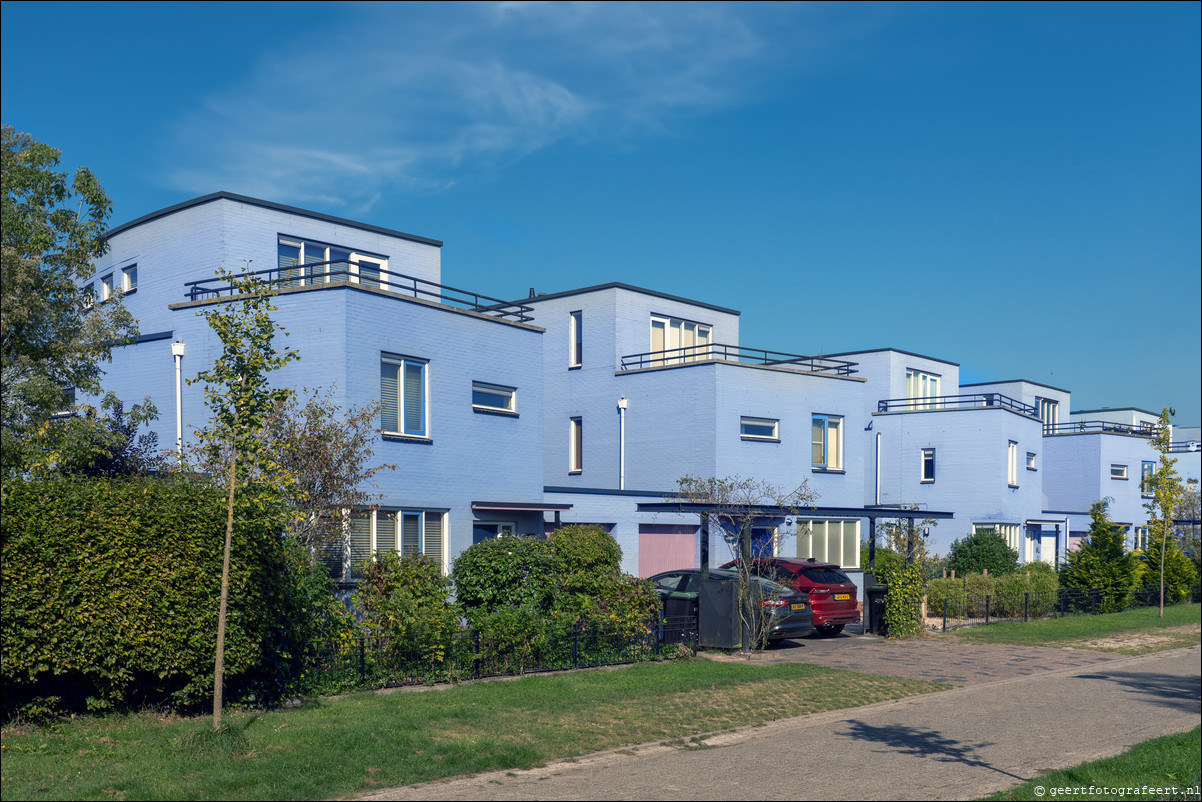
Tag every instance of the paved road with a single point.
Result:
(958, 744)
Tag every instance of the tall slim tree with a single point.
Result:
(1165, 488)
(54, 337)
(239, 394)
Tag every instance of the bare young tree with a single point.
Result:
(736, 504)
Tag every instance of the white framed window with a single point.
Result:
(403, 392)
(1049, 413)
(575, 445)
(1031, 464)
(826, 452)
(759, 429)
(1118, 471)
(303, 263)
(494, 398)
(928, 465)
(678, 340)
(921, 384)
(129, 278)
(1146, 470)
(1141, 538)
(404, 531)
(575, 339)
(106, 287)
(1012, 464)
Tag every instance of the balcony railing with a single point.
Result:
(736, 353)
(343, 273)
(974, 401)
(1096, 426)
(1181, 446)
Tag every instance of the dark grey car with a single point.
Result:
(789, 612)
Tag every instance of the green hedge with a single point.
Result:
(110, 594)
(966, 595)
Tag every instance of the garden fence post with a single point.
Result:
(476, 659)
(986, 608)
(576, 647)
(945, 614)
(1026, 605)
(1093, 601)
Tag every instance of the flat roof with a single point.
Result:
(278, 207)
(896, 351)
(796, 512)
(1115, 409)
(618, 285)
(1013, 381)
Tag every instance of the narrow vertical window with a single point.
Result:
(827, 442)
(129, 278)
(1012, 464)
(1146, 470)
(576, 339)
(288, 259)
(106, 287)
(928, 465)
(576, 445)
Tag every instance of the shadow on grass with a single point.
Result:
(926, 744)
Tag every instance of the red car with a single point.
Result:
(832, 593)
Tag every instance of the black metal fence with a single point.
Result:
(367, 663)
(963, 610)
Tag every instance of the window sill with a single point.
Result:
(927, 481)
(575, 473)
(759, 439)
(1012, 486)
(504, 413)
(407, 438)
(817, 469)
(574, 367)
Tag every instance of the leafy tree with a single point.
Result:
(1164, 485)
(1186, 519)
(90, 445)
(737, 503)
(983, 550)
(53, 337)
(328, 455)
(238, 393)
(1167, 571)
(1102, 562)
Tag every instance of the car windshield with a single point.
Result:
(826, 576)
(770, 588)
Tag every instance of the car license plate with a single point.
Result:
(799, 606)
(842, 596)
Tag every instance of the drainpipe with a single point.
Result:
(622, 443)
(177, 351)
(878, 469)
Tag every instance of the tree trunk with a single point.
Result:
(219, 667)
(1164, 537)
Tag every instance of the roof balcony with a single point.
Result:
(954, 402)
(736, 354)
(343, 274)
(1102, 427)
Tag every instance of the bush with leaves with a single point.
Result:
(505, 571)
(983, 550)
(110, 597)
(903, 600)
(407, 601)
(1179, 572)
(1102, 563)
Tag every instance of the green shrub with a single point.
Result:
(903, 600)
(110, 597)
(587, 550)
(406, 599)
(1179, 572)
(983, 550)
(940, 589)
(1102, 562)
(506, 571)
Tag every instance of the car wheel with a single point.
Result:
(827, 630)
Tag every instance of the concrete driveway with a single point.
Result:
(1018, 711)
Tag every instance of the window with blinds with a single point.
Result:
(403, 389)
(302, 263)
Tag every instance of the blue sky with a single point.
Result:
(1014, 187)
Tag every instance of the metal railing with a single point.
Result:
(342, 273)
(973, 401)
(1096, 426)
(736, 353)
(367, 663)
(964, 610)
(1182, 446)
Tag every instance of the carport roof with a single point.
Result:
(800, 512)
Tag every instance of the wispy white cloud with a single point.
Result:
(419, 98)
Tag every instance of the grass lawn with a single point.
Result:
(356, 743)
(1136, 631)
(1160, 763)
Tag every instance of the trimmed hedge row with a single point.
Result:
(110, 593)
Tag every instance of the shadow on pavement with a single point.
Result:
(927, 744)
(1166, 690)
